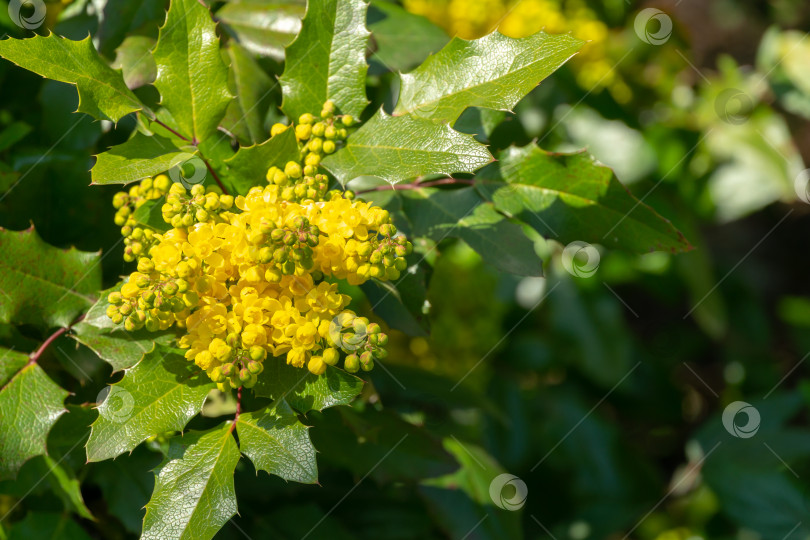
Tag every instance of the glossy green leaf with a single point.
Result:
(191, 76)
(327, 60)
(252, 87)
(140, 157)
(276, 442)
(397, 148)
(11, 362)
(113, 344)
(303, 390)
(102, 92)
(462, 214)
(43, 285)
(263, 27)
(194, 495)
(248, 167)
(571, 197)
(494, 72)
(160, 393)
(31, 403)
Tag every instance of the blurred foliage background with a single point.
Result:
(603, 394)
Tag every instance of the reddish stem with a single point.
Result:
(211, 170)
(238, 407)
(170, 129)
(34, 356)
(417, 185)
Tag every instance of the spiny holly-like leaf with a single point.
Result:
(276, 442)
(194, 495)
(493, 72)
(397, 148)
(191, 76)
(30, 403)
(571, 197)
(252, 87)
(11, 362)
(263, 27)
(327, 60)
(140, 157)
(102, 92)
(161, 393)
(303, 390)
(113, 344)
(248, 167)
(462, 214)
(43, 285)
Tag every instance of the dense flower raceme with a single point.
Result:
(255, 275)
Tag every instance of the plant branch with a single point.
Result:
(238, 407)
(34, 356)
(170, 129)
(417, 185)
(211, 170)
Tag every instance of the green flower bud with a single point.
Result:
(255, 367)
(351, 363)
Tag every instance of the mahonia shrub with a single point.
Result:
(250, 276)
(249, 258)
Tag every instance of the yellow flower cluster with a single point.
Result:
(137, 240)
(255, 275)
(471, 19)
